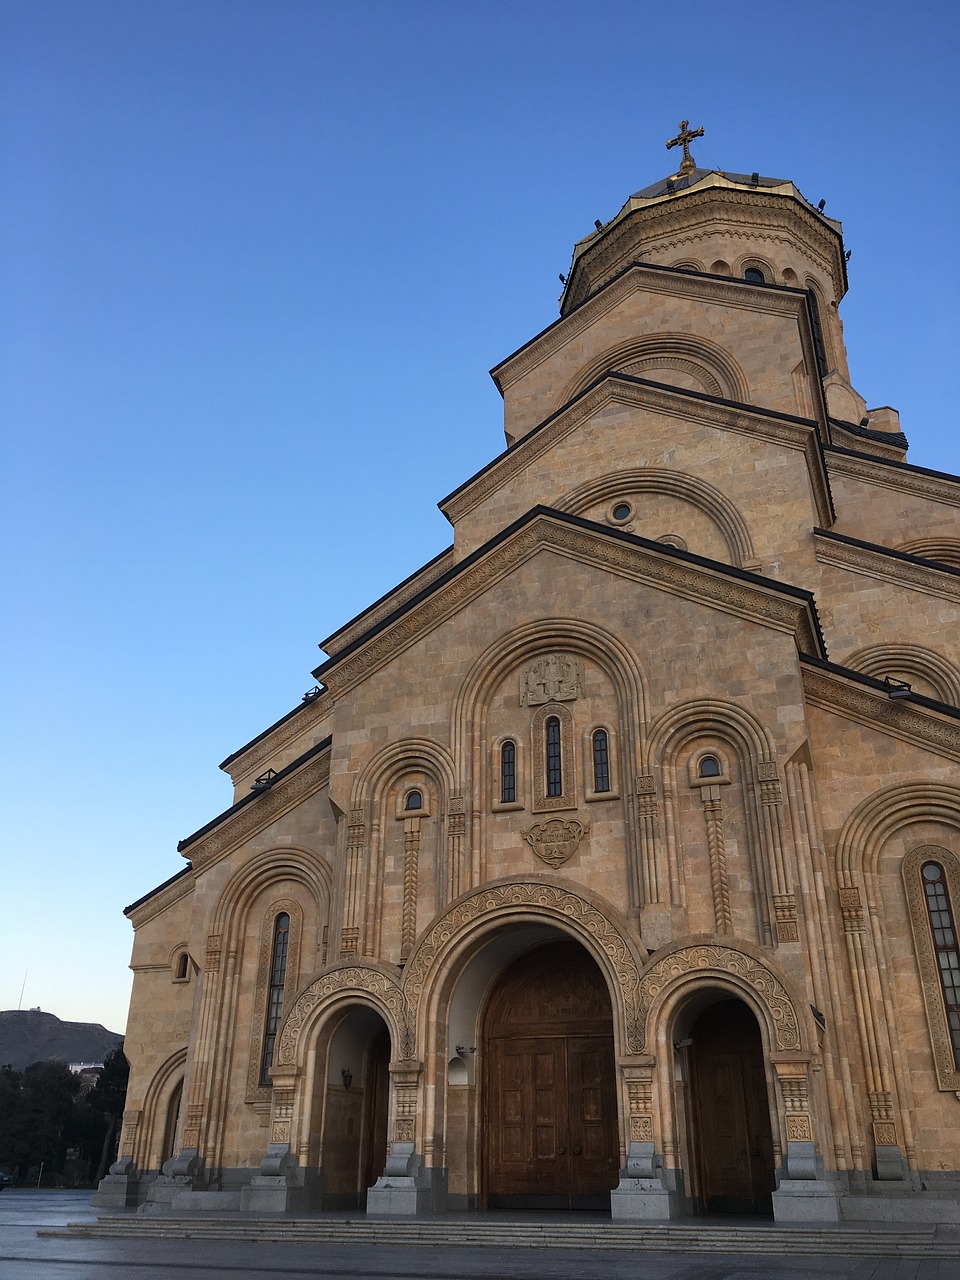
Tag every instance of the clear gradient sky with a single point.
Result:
(257, 258)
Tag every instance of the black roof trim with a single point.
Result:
(919, 699)
(386, 595)
(891, 462)
(266, 732)
(631, 379)
(184, 871)
(896, 438)
(322, 745)
(703, 562)
(906, 556)
(647, 266)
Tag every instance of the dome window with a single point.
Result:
(753, 275)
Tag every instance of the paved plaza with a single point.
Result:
(26, 1256)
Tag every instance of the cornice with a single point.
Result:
(637, 277)
(618, 388)
(692, 216)
(266, 808)
(387, 604)
(692, 577)
(922, 728)
(306, 720)
(875, 448)
(892, 566)
(900, 476)
(182, 887)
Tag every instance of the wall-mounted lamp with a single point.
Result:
(346, 1075)
(465, 1048)
(682, 1044)
(897, 688)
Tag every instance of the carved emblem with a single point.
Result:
(555, 840)
(552, 678)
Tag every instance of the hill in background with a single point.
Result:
(31, 1035)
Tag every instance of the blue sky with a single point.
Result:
(257, 259)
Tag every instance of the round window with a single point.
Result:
(622, 511)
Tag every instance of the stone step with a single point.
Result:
(913, 1242)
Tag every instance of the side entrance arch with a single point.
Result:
(548, 1101)
(728, 1109)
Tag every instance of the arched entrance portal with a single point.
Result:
(729, 1123)
(549, 1109)
(355, 1098)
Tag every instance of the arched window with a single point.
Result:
(414, 800)
(754, 275)
(709, 767)
(183, 970)
(601, 761)
(944, 931)
(508, 772)
(554, 763)
(278, 973)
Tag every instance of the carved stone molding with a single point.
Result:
(261, 812)
(158, 902)
(555, 840)
(901, 479)
(341, 639)
(913, 575)
(361, 978)
(924, 728)
(692, 960)
(635, 561)
(553, 901)
(795, 433)
(304, 722)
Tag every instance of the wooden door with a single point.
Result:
(549, 1099)
(735, 1167)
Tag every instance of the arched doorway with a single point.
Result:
(355, 1100)
(171, 1122)
(549, 1110)
(731, 1144)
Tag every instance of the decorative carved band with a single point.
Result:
(896, 717)
(633, 560)
(876, 564)
(557, 903)
(359, 978)
(263, 810)
(770, 990)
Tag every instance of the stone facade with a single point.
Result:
(681, 700)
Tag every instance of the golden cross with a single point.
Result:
(685, 137)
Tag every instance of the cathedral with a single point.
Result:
(613, 860)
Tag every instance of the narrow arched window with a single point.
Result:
(709, 767)
(554, 763)
(944, 930)
(601, 761)
(182, 969)
(278, 974)
(414, 800)
(754, 275)
(508, 773)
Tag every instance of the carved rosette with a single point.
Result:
(737, 964)
(555, 840)
(370, 981)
